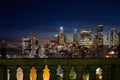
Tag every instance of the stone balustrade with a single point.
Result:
(110, 68)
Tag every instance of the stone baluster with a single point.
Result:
(72, 74)
(26, 72)
(59, 72)
(12, 72)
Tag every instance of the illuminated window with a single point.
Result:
(99, 73)
(33, 74)
(19, 74)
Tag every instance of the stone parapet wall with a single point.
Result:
(110, 67)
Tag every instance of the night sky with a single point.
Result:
(19, 18)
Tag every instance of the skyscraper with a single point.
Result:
(75, 36)
(61, 37)
(86, 38)
(99, 50)
(113, 38)
(100, 35)
(30, 46)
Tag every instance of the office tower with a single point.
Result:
(30, 46)
(61, 37)
(86, 38)
(113, 38)
(75, 36)
(100, 35)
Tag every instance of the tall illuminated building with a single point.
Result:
(100, 35)
(30, 46)
(113, 38)
(86, 38)
(75, 36)
(61, 37)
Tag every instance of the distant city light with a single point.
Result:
(56, 35)
(100, 25)
(75, 30)
(107, 56)
(112, 52)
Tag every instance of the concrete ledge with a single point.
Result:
(48, 61)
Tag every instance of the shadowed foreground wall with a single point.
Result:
(110, 67)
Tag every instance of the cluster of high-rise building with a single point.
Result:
(86, 37)
(85, 43)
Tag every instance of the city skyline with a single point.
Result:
(20, 18)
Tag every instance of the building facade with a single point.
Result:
(86, 38)
(113, 38)
(30, 46)
(100, 35)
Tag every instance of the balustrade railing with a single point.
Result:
(72, 69)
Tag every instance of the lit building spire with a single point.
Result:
(75, 30)
(61, 30)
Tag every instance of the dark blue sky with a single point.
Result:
(19, 18)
